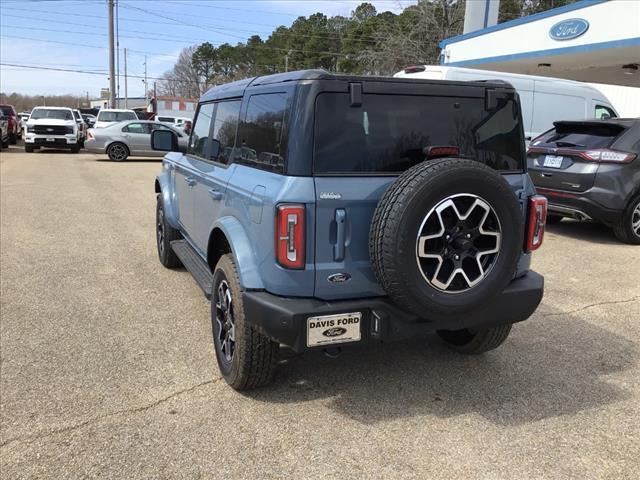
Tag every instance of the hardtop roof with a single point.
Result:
(237, 88)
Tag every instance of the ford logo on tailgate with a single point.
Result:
(569, 29)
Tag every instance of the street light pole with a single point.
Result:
(126, 90)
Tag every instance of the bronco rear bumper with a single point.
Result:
(284, 319)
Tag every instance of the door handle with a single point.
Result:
(546, 175)
(191, 181)
(341, 229)
(215, 194)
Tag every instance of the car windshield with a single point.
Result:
(77, 115)
(116, 116)
(39, 113)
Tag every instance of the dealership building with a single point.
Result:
(595, 41)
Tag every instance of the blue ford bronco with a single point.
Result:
(318, 211)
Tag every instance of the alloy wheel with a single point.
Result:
(160, 230)
(224, 320)
(458, 243)
(117, 152)
(635, 220)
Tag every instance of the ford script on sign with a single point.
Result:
(569, 29)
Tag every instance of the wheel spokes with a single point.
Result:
(458, 242)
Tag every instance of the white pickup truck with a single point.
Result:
(52, 127)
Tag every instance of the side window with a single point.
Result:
(261, 139)
(604, 112)
(224, 128)
(136, 128)
(199, 142)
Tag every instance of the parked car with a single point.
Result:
(128, 139)
(590, 170)
(4, 130)
(320, 211)
(15, 132)
(543, 99)
(164, 119)
(82, 127)
(89, 119)
(109, 116)
(52, 127)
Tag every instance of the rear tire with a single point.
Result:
(75, 149)
(118, 152)
(554, 219)
(13, 139)
(247, 359)
(627, 230)
(28, 149)
(473, 342)
(165, 234)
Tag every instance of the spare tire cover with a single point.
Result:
(446, 237)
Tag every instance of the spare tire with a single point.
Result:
(446, 237)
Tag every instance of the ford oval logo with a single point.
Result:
(569, 29)
(339, 277)
(334, 332)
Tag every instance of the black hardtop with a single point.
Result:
(237, 88)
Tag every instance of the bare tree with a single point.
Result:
(183, 79)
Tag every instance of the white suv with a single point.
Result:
(52, 127)
(109, 116)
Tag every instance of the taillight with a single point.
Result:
(415, 69)
(536, 223)
(604, 155)
(89, 134)
(290, 242)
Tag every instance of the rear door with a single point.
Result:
(557, 160)
(214, 172)
(359, 149)
(137, 136)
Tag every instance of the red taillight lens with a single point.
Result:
(608, 156)
(536, 223)
(290, 242)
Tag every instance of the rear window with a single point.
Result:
(387, 133)
(116, 116)
(569, 135)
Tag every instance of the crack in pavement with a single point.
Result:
(70, 428)
(591, 305)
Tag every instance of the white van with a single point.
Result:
(109, 116)
(544, 100)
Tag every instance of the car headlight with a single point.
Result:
(70, 130)
(31, 129)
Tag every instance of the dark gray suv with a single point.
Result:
(589, 170)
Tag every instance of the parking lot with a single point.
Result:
(108, 370)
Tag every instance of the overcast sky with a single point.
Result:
(72, 34)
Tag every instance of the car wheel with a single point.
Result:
(165, 234)
(247, 359)
(554, 219)
(28, 149)
(628, 228)
(75, 149)
(446, 237)
(475, 341)
(13, 139)
(118, 152)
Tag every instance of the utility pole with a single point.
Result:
(117, 53)
(126, 90)
(112, 66)
(146, 98)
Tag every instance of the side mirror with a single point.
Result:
(164, 141)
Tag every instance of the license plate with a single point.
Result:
(331, 329)
(50, 139)
(552, 161)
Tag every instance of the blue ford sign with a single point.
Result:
(569, 29)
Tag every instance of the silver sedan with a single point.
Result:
(128, 139)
